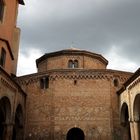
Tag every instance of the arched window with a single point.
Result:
(75, 63)
(136, 112)
(2, 57)
(1, 9)
(116, 82)
(70, 64)
(44, 83)
(126, 134)
(5, 116)
(19, 124)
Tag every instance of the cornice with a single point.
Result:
(129, 81)
(9, 82)
(135, 83)
(75, 75)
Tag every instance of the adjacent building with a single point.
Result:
(12, 97)
(129, 96)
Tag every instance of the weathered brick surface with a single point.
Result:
(12, 101)
(8, 62)
(75, 98)
(61, 62)
(9, 35)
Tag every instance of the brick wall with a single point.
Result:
(61, 62)
(75, 98)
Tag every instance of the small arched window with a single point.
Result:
(70, 64)
(116, 82)
(75, 63)
(2, 57)
(44, 83)
(1, 9)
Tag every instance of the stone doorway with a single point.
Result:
(75, 134)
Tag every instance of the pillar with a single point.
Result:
(136, 130)
(8, 131)
(132, 130)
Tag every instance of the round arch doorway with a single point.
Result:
(18, 127)
(5, 115)
(125, 122)
(75, 134)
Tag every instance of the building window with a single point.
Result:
(1, 9)
(75, 82)
(75, 63)
(116, 82)
(3, 57)
(44, 83)
(70, 64)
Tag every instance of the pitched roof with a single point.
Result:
(129, 81)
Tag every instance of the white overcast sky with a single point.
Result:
(107, 27)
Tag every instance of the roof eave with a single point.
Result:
(67, 51)
(129, 81)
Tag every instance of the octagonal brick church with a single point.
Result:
(73, 97)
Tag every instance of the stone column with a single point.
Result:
(132, 130)
(8, 131)
(136, 130)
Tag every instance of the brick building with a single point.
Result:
(129, 96)
(73, 96)
(12, 97)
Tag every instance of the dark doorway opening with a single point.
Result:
(18, 127)
(137, 113)
(2, 120)
(75, 134)
(125, 122)
(5, 114)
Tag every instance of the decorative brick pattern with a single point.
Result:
(90, 104)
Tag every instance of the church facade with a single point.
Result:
(72, 96)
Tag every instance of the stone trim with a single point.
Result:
(8, 81)
(81, 76)
(129, 81)
(134, 84)
(7, 84)
(70, 75)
